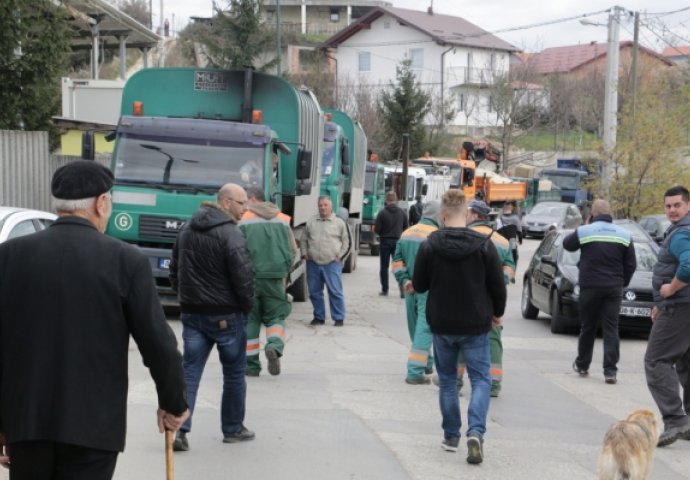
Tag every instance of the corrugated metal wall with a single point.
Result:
(26, 168)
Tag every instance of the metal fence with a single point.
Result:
(26, 168)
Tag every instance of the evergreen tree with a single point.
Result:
(238, 37)
(34, 49)
(402, 109)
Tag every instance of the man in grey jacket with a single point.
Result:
(325, 242)
(212, 272)
(667, 361)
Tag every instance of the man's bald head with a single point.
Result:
(600, 207)
(233, 198)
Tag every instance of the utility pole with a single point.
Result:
(405, 160)
(278, 47)
(611, 90)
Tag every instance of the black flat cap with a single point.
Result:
(81, 179)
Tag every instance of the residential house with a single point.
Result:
(679, 55)
(581, 60)
(318, 16)
(452, 58)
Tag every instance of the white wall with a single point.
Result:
(388, 43)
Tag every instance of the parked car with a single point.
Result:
(551, 285)
(545, 215)
(655, 226)
(16, 222)
(638, 233)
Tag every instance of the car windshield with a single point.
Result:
(644, 254)
(549, 210)
(636, 231)
(563, 180)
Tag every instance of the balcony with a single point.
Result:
(477, 77)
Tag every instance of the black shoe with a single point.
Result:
(417, 380)
(578, 370)
(180, 444)
(338, 323)
(273, 360)
(316, 322)
(450, 444)
(610, 379)
(672, 434)
(242, 436)
(383, 294)
(475, 449)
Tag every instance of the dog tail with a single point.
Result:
(615, 462)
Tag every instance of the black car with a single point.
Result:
(551, 285)
(655, 225)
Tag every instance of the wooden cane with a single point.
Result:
(169, 463)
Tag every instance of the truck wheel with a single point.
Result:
(374, 250)
(299, 289)
(351, 262)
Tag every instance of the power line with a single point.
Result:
(663, 14)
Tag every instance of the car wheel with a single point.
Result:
(558, 321)
(529, 311)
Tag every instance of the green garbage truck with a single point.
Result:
(374, 199)
(184, 132)
(344, 156)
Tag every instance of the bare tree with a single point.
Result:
(360, 102)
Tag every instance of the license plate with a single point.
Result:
(636, 311)
(164, 263)
(366, 228)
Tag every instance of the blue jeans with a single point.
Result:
(229, 333)
(475, 349)
(330, 275)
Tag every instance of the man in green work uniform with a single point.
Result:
(478, 220)
(419, 361)
(272, 248)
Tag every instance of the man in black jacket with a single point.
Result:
(390, 223)
(212, 272)
(70, 297)
(607, 264)
(467, 297)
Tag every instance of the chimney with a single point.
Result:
(430, 10)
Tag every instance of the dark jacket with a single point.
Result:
(416, 213)
(608, 254)
(462, 272)
(391, 221)
(211, 269)
(667, 266)
(70, 297)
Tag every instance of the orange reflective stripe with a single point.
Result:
(284, 218)
(248, 215)
(418, 357)
(398, 264)
(275, 331)
(253, 345)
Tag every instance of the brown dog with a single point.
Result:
(629, 447)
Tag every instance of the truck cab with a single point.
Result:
(374, 199)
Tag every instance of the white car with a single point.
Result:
(17, 222)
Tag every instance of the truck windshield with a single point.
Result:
(369, 182)
(152, 160)
(327, 159)
(564, 181)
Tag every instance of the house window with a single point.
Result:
(461, 102)
(493, 62)
(417, 58)
(492, 105)
(364, 62)
(335, 15)
(386, 24)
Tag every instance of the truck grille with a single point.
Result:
(159, 228)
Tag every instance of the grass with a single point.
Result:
(546, 140)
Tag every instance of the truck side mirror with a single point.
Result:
(345, 154)
(88, 145)
(425, 188)
(345, 169)
(304, 162)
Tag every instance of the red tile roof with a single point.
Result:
(569, 58)
(681, 51)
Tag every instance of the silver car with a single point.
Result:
(17, 222)
(550, 215)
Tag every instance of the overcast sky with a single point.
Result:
(657, 31)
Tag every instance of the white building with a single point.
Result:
(453, 59)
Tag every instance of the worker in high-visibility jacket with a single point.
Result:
(478, 220)
(419, 360)
(273, 250)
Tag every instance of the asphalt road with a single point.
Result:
(341, 409)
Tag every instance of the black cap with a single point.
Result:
(81, 179)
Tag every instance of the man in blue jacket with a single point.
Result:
(667, 361)
(607, 264)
